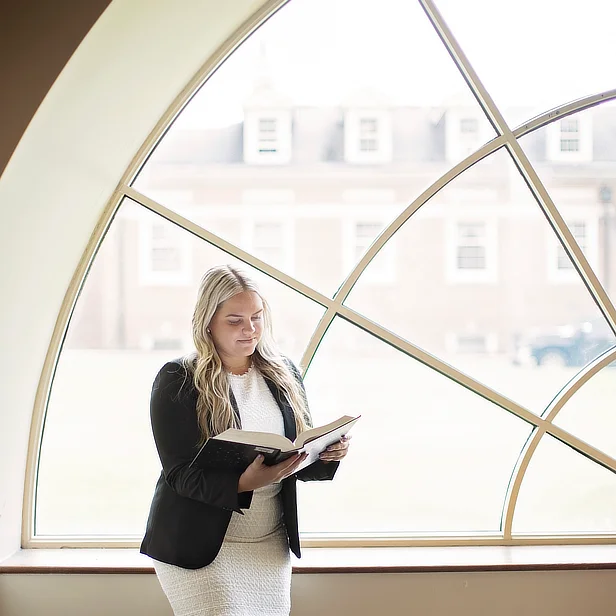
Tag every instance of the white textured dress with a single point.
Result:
(251, 575)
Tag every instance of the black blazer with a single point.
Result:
(192, 507)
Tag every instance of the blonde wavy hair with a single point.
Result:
(214, 411)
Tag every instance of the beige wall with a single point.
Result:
(33, 54)
(549, 593)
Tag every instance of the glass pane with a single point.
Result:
(427, 457)
(98, 463)
(590, 413)
(564, 492)
(473, 264)
(318, 139)
(581, 182)
(521, 54)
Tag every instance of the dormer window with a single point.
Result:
(570, 139)
(367, 136)
(267, 122)
(267, 137)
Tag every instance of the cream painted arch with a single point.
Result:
(334, 306)
(64, 170)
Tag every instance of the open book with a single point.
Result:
(237, 449)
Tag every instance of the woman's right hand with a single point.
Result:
(258, 475)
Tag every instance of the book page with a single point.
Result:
(315, 433)
(276, 441)
(263, 439)
(316, 445)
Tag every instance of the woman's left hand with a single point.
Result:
(337, 451)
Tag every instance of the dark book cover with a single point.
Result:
(237, 456)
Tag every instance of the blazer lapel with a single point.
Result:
(236, 410)
(290, 431)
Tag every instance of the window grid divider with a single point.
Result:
(539, 192)
(523, 164)
(335, 306)
(550, 413)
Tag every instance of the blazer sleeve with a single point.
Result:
(319, 470)
(176, 434)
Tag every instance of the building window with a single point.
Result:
(569, 135)
(359, 237)
(578, 230)
(267, 137)
(464, 133)
(471, 247)
(469, 126)
(365, 233)
(165, 258)
(570, 139)
(164, 252)
(368, 134)
(569, 145)
(560, 267)
(271, 241)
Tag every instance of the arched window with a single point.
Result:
(431, 264)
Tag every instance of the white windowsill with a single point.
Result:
(340, 560)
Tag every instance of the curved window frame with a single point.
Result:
(506, 138)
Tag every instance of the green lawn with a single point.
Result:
(427, 456)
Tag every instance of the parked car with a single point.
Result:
(574, 344)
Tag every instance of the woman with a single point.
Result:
(221, 539)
